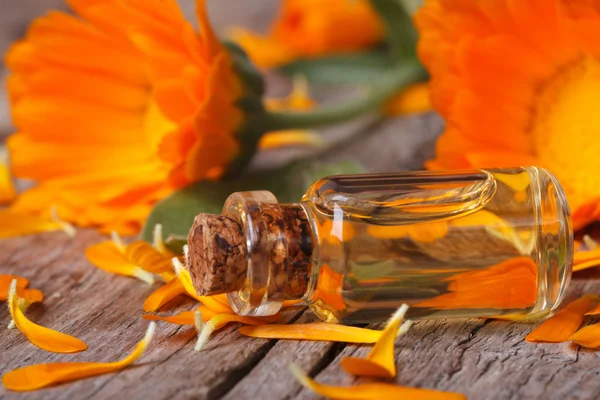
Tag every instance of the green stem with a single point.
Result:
(407, 72)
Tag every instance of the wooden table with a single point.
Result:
(483, 359)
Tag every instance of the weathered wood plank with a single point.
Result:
(486, 359)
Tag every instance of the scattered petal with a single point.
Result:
(163, 295)
(203, 334)
(594, 311)
(380, 361)
(588, 336)
(14, 224)
(41, 375)
(148, 258)
(564, 323)
(108, 256)
(584, 259)
(315, 331)
(371, 390)
(6, 282)
(44, 338)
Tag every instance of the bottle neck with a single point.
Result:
(279, 250)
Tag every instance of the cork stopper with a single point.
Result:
(217, 254)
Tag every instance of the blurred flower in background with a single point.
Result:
(312, 28)
(113, 116)
(518, 84)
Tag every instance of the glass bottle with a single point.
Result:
(479, 243)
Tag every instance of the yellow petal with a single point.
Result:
(586, 259)
(7, 188)
(148, 258)
(108, 257)
(14, 224)
(588, 336)
(277, 139)
(184, 276)
(315, 331)
(380, 361)
(220, 320)
(562, 325)
(44, 338)
(163, 295)
(372, 390)
(41, 375)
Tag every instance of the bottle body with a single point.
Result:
(494, 243)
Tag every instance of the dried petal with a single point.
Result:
(315, 331)
(372, 390)
(41, 375)
(588, 336)
(163, 295)
(108, 256)
(380, 361)
(16, 224)
(564, 323)
(44, 338)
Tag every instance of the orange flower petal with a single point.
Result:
(315, 331)
(148, 258)
(372, 390)
(564, 323)
(7, 188)
(220, 320)
(44, 338)
(412, 100)
(108, 256)
(163, 295)
(588, 336)
(30, 295)
(13, 224)
(42, 375)
(594, 311)
(380, 361)
(5, 284)
(277, 139)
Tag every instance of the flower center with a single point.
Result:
(565, 128)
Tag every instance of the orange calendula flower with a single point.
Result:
(565, 323)
(517, 84)
(38, 376)
(373, 391)
(311, 28)
(116, 107)
(44, 338)
(380, 361)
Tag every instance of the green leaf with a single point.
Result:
(347, 69)
(176, 213)
(401, 32)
